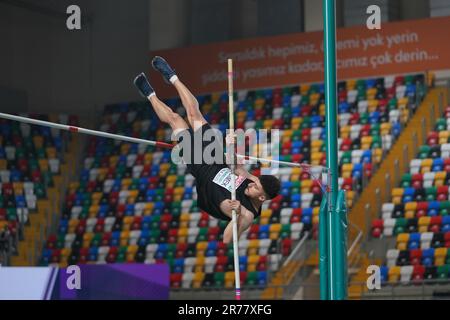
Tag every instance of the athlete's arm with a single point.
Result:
(244, 221)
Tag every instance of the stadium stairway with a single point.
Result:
(388, 175)
(367, 206)
(45, 218)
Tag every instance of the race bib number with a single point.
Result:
(223, 179)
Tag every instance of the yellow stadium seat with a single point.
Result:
(314, 98)
(410, 210)
(183, 232)
(185, 216)
(198, 279)
(131, 252)
(18, 188)
(315, 219)
(253, 246)
(316, 145)
(51, 152)
(266, 213)
(306, 186)
(132, 248)
(411, 206)
(296, 121)
(124, 236)
(439, 256)
(200, 263)
(148, 157)
(345, 132)
(322, 109)
(378, 152)
(113, 160)
(394, 274)
(350, 197)
(252, 261)
(164, 166)
(427, 162)
(171, 178)
(133, 193)
(304, 88)
(444, 135)
(148, 206)
(265, 216)
(316, 156)
(268, 124)
(87, 237)
(372, 104)
(274, 231)
(3, 164)
(97, 195)
(128, 220)
(423, 223)
(397, 192)
(351, 84)
(402, 241)
(440, 175)
(229, 279)
(38, 141)
(410, 214)
(126, 183)
(43, 164)
(403, 101)
(65, 252)
(178, 190)
(366, 140)
(202, 245)
(347, 170)
(385, 128)
(316, 211)
(93, 209)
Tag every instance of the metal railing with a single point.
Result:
(296, 250)
(358, 240)
(410, 289)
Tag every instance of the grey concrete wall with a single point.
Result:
(279, 17)
(74, 71)
(168, 24)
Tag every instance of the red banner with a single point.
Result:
(399, 47)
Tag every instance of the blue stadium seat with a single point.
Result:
(414, 241)
(427, 257)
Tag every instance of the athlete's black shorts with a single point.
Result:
(199, 163)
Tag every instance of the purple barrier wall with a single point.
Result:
(114, 281)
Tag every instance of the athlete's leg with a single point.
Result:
(164, 113)
(190, 103)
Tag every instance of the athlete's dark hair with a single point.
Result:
(271, 185)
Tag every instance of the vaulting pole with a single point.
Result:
(230, 147)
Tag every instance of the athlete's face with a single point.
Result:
(255, 190)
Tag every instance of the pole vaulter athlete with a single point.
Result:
(212, 179)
